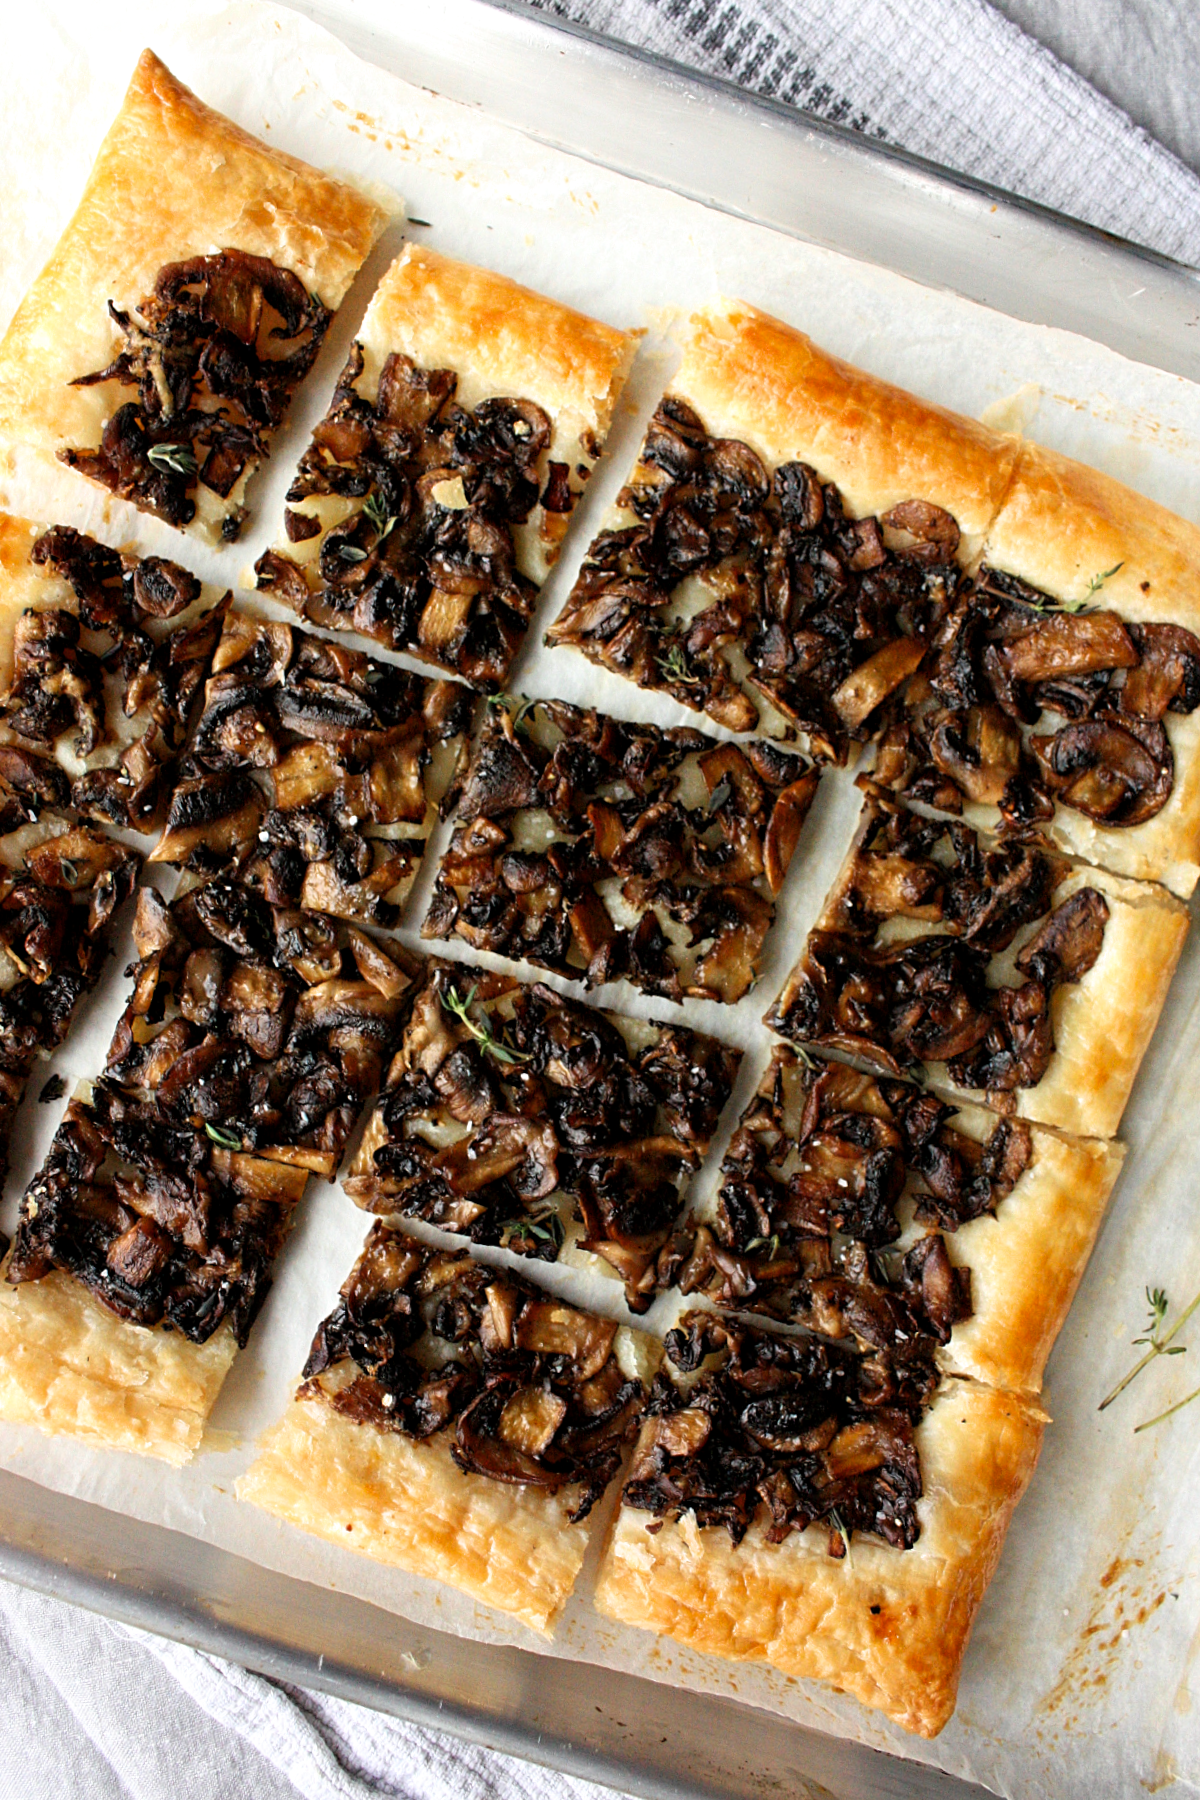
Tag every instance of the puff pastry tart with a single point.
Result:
(264, 1027)
(524, 1119)
(608, 850)
(877, 1215)
(437, 489)
(457, 1422)
(791, 540)
(989, 966)
(313, 772)
(184, 303)
(761, 1464)
(102, 660)
(1065, 684)
(60, 887)
(142, 1255)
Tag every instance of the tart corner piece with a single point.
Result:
(887, 1625)
(434, 497)
(197, 276)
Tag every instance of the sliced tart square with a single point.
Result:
(434, 497)
(874, 1213)
(991, 967)
(314, 772)
(525, 1119)
(607, 850)
(792, 538)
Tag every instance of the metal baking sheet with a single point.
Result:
(763, 164)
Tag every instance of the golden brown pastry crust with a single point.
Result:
(173, 179)
(1028, 1258)
(1060, 527)
(888, 1626)
(750, 376)
(69, 1365)
(408, 1503)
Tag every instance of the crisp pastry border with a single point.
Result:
(888, 1626)
(501, 340)
(753, 377)
(69, 1365)
(173, 179)
(408, 1503)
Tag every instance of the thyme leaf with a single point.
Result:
(515, 705)
(377, 515)
(673, 663)
(720, 794)
(350, 553)
(453, 1003)
(226, 1139)
(1098, 581)
(835, 1519)
(546, 1227)
(175, 459)
(1160, 1343)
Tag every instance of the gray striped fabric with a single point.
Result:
(951, 80)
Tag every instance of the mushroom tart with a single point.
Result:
(986, 966)
(610, 850)
(783, 1505)
(1062, 689)
(457, 1422)
(524, 1119)
(793, 535)
(894, 1223)
(436, 492)
(186, 300)
(264, 1027)
(103, 658)
(313, 772)
(60, 888)
(142, 1256)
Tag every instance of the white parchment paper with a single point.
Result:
(1081, 1678)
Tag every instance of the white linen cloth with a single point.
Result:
(94, 1710)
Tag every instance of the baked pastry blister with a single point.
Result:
(187, 298)
(524, 1119)
(990, 967)
(607, 850)
(314, 772)
(437, 490)
(457, 1422)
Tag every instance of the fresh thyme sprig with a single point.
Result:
(546, 1228)
(1098, 581)
(673, 664)
(1159, 1345)
(176, 459)
(454, 1004)
(377, 515)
